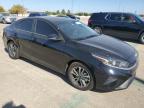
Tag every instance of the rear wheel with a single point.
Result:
(13, 50)
(98, 30)
(80, 76)
(141, 39)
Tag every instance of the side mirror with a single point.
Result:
(54, 37)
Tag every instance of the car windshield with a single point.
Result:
(5, 14)
(76, 30)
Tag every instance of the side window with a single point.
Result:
(25, 24)
(44, 28)
(128, 18)
(115, 17)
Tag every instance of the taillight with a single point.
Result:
(89, 22)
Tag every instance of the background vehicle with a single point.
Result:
(73, 17)
(120, 25)
(69, 16)
(7, 18)
(34, 14)
(73, 49)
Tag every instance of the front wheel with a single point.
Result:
(141, 39)
(80, 76)
(13, 50)
(3, 21)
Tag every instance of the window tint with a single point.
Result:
(44, 28)
(24, 24)
(128, 18)
(115, 17)
(98, 16)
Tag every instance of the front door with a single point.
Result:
(46, 51)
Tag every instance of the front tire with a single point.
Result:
(13, 50)
(3, 21)
(80, 76)
(141, 39)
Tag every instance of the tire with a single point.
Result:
(141, 39)
(98, 30)
(3, 21)
(80, 76)
(13, 50)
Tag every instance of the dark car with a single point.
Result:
(34, 14)
(70, 47)
(120, 25)
(69, 16)
(73, 16)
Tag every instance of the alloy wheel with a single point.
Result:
(12, 49)
(98, 30)
(80, 77)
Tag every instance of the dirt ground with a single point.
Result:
(25, 83)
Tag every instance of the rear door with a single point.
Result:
(113, 25)
(24, 32)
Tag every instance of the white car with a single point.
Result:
(7, 18)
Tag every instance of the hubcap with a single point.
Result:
(80, 77)
(12, 49)
(98, 30)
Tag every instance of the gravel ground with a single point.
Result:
(25, 83)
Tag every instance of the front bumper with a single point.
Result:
(109, 79)
(10, 20)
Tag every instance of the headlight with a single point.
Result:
(112, 62)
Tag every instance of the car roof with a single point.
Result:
(112, 13)
(54, 20)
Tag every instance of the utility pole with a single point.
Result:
(72, 5)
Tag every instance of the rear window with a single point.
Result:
(98, 16)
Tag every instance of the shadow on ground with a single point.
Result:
(12, 105)
(139, 80)
(63, 77)
(47, 69)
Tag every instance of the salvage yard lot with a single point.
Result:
(34, 86)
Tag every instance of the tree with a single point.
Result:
(68, 12)
(2, 9)
(63, 12)
(57, 12)
(17, 9)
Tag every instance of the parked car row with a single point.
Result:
(7, 18)
(120, 25)
(89, 60)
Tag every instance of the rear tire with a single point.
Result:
(141, 39)
(98, 30)
(80, 76)
(13, 50)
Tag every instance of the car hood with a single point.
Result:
(109, 45)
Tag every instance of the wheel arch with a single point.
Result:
(141, 32)
(12, 40)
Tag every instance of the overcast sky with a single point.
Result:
(135, 6)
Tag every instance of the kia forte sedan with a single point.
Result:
(87, 59)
